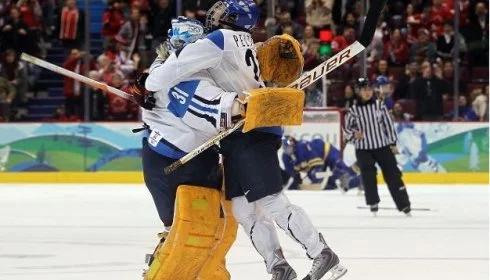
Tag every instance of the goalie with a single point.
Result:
(178, 118)
(314, 157)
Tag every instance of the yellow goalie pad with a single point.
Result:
(274, 107)
(191, 238)
(280, 59)
(215, 267)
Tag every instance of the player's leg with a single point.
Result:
(161, 191)
(197, 218)
(157, 183)
(261, 183)
(393, 177)
(261, 231)
(296, 223)
(340, 171)
(367, 165)
(349, 179)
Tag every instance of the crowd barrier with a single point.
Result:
(430, 152)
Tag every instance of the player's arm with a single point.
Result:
(203, 106)
(294, 179)
(288, 162)
(181, 65)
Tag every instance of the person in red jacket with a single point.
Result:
(73, 89)
(31, 13)
(71, 25)
(396, 49)
(112, 21)
(439, 14)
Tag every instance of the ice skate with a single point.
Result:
(326, 264)
(149, 257)
(408, 211)
(374, 209)
(281, 270)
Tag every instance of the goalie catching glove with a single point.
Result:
(281, 60)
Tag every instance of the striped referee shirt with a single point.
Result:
(374, 121)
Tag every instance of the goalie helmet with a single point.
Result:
(184, 31)
(237, 14)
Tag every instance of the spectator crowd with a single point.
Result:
(410, 59)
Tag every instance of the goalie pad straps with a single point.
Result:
(280, 59)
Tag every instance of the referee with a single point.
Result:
(369, 126)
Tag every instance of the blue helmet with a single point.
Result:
(240, 14)
(184, 31)
(382, 80)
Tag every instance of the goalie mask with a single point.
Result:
(184, 31)
(237, 14)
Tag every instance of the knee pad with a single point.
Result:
(276, 207)
(192, 236)
(244, 212)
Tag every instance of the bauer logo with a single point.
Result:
(326, 67)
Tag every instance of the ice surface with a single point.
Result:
(103, 232)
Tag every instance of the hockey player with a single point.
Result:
(314, 157)
(252, 173)
(177, 119)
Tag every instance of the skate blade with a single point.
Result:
(336, 272)
(333, 274)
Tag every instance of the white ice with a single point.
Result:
(103, 232)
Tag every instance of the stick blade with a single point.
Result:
(372, 19)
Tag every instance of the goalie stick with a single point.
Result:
(306, 79)
(65, 72)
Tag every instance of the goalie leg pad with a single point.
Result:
(196, 218)
(274, 107)
(215, 268)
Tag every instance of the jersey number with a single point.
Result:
(250, 59)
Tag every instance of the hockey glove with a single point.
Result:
(163, 51)
(144, 98)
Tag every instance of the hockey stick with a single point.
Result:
(65, 72)
(306, 79)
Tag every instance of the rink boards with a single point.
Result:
(111, 153)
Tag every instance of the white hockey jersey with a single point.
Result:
(228, 56)
(186, 115)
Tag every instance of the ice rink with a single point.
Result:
(103, 232)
